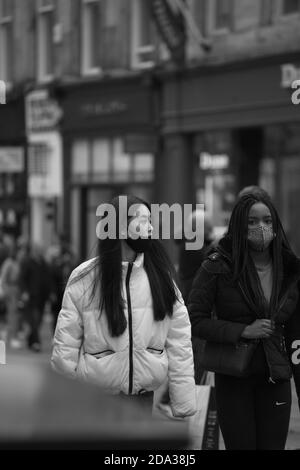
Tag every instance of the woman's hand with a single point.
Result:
(259, 329)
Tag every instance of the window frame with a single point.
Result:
(7, 74)
(42, 11)
(87, 69)
(267, 13)
(290, 14)
(212, 18)
(137, 49)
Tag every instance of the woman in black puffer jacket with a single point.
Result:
(251, 284)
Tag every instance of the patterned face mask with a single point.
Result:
(259, 238)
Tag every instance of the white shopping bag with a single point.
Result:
(203, 426)
(198, 420)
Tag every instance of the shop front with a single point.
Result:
(13, 194)
(45, 167)
(241, 127)
(110, 146)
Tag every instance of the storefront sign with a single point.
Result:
(117, 104)
(104, 108)
(171, 27)
(42, 112)
(11, 159)
(213, 162)
(289, 74)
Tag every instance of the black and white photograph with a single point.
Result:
(150, 227)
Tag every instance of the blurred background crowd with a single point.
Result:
(32, 282)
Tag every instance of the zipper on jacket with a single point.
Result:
(129, 329)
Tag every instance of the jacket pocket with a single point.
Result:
(155, 351)
(100, 354)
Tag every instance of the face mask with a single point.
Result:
(259, 238)
(140, 245)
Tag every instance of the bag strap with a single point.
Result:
(203, 378)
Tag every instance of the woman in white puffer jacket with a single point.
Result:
(123, 324)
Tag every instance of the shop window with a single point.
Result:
(121, 162)
(90, 48)
(6, 40)
(2, 184)
(223, 14)
(10, 184)
(142, 43)
(45, 43)
(290, 6)
(11, 217)
(101, 160)
(106, 161)
(38, 159)
(143, 167)
(80, 160)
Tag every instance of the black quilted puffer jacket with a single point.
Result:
(214, 290)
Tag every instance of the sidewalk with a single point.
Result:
(25, 357)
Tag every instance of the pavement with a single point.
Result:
(26, 357)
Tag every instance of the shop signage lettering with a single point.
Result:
(105, 109)
(11, 160)
(296, 354)
(41, 111)
(213, 162)
(296, 94)
(2, 92)
(289, 74)
(171, 28)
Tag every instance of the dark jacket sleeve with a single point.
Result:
(292, 339)
(201, 304)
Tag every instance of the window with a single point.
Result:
(142, 44)
(38, 159)
(101, 160)
(6, 40)
(106, 161)
(80, 159)
(45, 39)
(267, 11)
(223, 14)
(290, 6)
(90, 50)
(143, 167)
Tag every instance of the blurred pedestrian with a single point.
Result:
(61, 263)
(10, 272)
(123, 324)
(254, 190)
(250, 283)
(189, 263)
(35, 291)
(191, 260)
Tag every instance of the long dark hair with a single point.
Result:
(243, 266)
(108, 275)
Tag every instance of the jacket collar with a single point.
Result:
(137, 263)
(290, 262)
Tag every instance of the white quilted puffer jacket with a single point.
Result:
(142, 357)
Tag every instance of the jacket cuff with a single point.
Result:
(234, 332)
